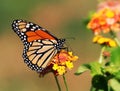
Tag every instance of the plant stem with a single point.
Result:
(117, 41)
(115, 38)
(109, 88)
(57, 82)
(101, 54)
(65, 82)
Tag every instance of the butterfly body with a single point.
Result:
(40, 46)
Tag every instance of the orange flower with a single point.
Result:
(61, 57)
(103, 21)
(62, 61)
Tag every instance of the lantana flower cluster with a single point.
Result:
(112, 4)
(63, 61)
(104, 21)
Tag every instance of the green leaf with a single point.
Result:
(115, 84)
(115, 56)
(112, 72)
(94, 89)
(99, 83)
(82, 69)
(117, 75)
(95, 68)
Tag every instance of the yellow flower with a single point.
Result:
(95, 39)
(112, 43)
(61, 70)
(109, 13)
(106, 41)
(62, 61)
(69, 64)
(55, 67)
(70, 53)
(71, 57)
(75, 58)
(101, 40)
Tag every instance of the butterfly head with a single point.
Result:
(60, 44)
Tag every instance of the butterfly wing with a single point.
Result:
(39, 44)
(39, 53)
(29, 31)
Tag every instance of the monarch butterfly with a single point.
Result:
(40, 46)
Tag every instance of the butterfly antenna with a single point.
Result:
(73, 38)
(68, 45)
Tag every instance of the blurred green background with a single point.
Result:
(61, 17)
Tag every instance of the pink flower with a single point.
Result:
(113, 4)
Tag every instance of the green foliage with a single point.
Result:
(106, 71)
(94, 67)
(82, 68)
(115, 56)
(99, 83)
(115, 84)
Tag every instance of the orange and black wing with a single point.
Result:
(39, 45)
(29, 31)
